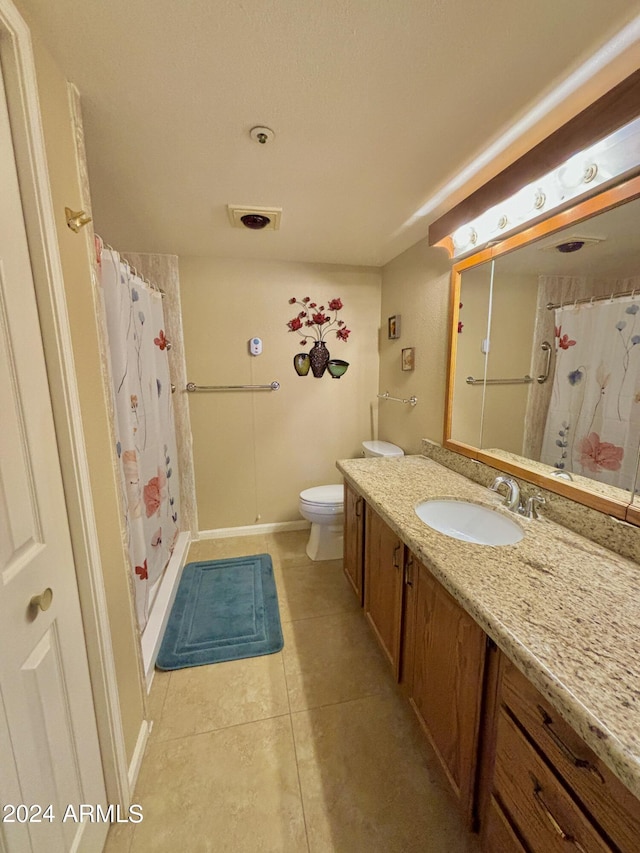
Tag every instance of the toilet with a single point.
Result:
(323, 506)
(381, 448)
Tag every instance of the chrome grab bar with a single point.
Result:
(273, 386)
(525, 380)
(411, 400)
(545, 346)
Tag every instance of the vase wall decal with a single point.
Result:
(337, 367)
(319, 356)
(302, 363)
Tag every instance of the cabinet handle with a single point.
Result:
(565, 836)
(408, 572)
(396, 551)
(358, 507)
(582, 763)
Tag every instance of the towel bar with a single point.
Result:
(273, 386)
(411, 401)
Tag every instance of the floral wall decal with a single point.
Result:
(313, 323)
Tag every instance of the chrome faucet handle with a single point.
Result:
(529, 509)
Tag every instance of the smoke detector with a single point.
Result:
(262, 135)
(254, 218)
(572, 243)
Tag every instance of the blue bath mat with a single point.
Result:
(224, 610)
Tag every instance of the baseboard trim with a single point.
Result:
(138, 755)
(252, 529)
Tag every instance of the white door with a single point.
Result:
(49, 755)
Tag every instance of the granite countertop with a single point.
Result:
(565, 610)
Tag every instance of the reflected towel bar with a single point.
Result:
(273, 386)
(411, 401)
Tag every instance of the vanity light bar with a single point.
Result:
(615, 157)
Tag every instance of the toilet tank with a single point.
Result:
(381, 448)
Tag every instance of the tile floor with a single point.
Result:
(311, 749)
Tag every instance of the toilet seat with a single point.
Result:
(323, 495)
(323, 500)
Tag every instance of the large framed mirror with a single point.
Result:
(544, 367)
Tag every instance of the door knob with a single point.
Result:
(43, 601)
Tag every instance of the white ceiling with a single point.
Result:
(376, 105)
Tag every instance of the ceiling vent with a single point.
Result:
(254, 218)
(572, 243)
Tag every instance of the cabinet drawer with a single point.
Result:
(546, 817)
(609, 802)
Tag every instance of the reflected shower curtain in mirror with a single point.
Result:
(593, 422)
(145, 434)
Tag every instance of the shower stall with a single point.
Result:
(149, 456)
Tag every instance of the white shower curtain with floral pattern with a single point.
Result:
(145, 433)
(593, 423)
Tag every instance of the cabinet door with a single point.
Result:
(448, 674)
(354, 540)
(383, 581)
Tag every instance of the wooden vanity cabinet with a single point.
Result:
(383, 585)
(548, 788)
(444, 655)
(435, 648)
(520, 772)
(353, 562)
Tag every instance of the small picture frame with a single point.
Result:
(394, 327)
(409, 358)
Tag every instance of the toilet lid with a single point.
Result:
(383, 448)
(323, 494)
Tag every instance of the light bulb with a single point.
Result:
(464, 237)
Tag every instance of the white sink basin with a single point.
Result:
(469, 522)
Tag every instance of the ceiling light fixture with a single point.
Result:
(253, 217)
(255, 221)
(613, 158)
(567, 241)
(571, 246)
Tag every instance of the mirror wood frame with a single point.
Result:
(603, 201)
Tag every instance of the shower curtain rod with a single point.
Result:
(591, 299)
(131, 267)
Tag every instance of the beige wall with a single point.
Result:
(512, 322)
(416, 286)
(255, 451)
(475, 293)
(493, 417)
(65, 191)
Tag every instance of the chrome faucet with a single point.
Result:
(512, 498)
(562, 475)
